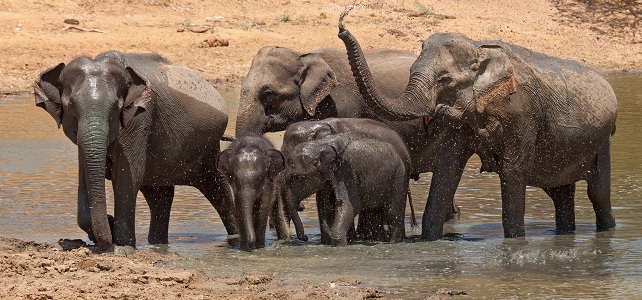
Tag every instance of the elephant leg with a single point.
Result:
(347, 207)
(449, 167)
(365, 224)
(396, 211)
(564, 201)
(261, 214)
(371, 224)
(218, 193)
(279, 219)
(325, 208)
(599, 189)
(123, 231)
(159, 199)
(513, 204)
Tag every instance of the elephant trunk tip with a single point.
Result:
(344, 14)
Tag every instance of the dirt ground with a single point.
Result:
(219, 39)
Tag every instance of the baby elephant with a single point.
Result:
(363, 173)
(305, 131)
(250, 165)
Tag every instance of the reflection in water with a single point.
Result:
(37, 202)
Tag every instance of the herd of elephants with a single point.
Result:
(358, 126)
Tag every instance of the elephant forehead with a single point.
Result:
(190, 83)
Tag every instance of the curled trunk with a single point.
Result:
(92, 148)
(416, 101)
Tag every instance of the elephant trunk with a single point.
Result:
(413, 103)
(291, 205)
(251, 116)
(245, 209)
(92, 150)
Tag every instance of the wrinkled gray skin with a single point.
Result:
(144, 123)
(534, 119)
(360, 172)
(313, 130)
(250, 165)
(284, 86)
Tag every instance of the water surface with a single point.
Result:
(38, 182)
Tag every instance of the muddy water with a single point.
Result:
(37, 202)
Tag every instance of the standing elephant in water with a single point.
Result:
(305, 131)
(251, 165)
(534, 119)
(284, 86)
(145, 124)
(361, 173)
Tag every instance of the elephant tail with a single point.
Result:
(413, 220)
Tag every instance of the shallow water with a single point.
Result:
(38, 177)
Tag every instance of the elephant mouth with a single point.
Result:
(275, 123)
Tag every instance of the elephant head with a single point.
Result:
(305, 131)
(282, 86)
(251, 169)
(451, 70)
(309, 166)
(93, 100)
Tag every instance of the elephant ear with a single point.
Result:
(139, 93)
(276, 163)
(48, 89)
(224, 162)
(327, 160)
(315, 82)
(496, 78)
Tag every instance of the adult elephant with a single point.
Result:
(284, 86)
(144, 123)
(534, 119)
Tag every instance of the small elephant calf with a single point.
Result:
(250, 165)
(350, 172)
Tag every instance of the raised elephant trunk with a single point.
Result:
(410, 105)
(92, 150)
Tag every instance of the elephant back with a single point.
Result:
(168, 79)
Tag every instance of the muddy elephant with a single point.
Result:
(284, 86)
(534, 119)
(305, 131)
(251, 164)
(144, 123)
(360, 172)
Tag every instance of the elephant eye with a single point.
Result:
(445, 79)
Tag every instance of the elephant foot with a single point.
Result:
(604, 223)
(454, 214)
(339, 242)
(234, 240)
(122, 250)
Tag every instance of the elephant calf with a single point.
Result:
(351, 173)
(250, 165)
(313, 130)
